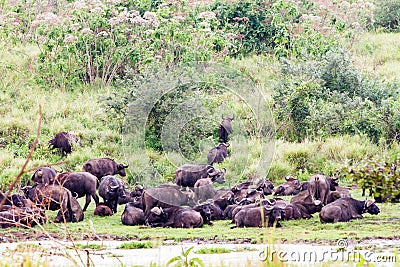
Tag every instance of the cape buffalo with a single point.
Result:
(104, 166)
(265, 186)
(54, 197)
(188, 174)
(166, 196)
(300, 210)
(22, 216)
(80, 183)
(102, 210)
(132, 215)
(223, 198)
(320, 188)
(110, 189)
(225, 129)
(64, 142)
(346, 209)
(176, 217)
(292, 186)
(44, 175)
(218, 153)
(253, 217)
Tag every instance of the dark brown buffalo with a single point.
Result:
(346, 209)
(55, 197)
(166, 196)
(175, 217)
(64, 141)
(204, 190)
(102, 210)
(44, 175)
(300, 210)
(265, 186)
(22, 217)
(225, 129)
(223, 198)
(253, 217)
(80, 184)
(218, 153)
(188, 174)
(104, 166)
(132, 215)
(7, 201)
(111, 189)
(259, 203)
(320, 188)
(292, 186)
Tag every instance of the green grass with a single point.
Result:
(136, 245)
(212, 251)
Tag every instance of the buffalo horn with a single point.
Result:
(156, 210)
(125, 166)
(113, 186)
(271, 201)
(212, 172)
(40, 173)
(269, 207)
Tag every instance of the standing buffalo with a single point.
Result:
(64, 142)
(345, 209)
(225, 129)
(110, 189)
(165, 196)
(104, 166)
(44, 175)
(54, 197)
(320, 188)
(81, 184)
(132, 215)
(218, 153)
(188, 174)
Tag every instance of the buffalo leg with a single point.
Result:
(87, 202)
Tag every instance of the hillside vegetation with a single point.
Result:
(328, 75)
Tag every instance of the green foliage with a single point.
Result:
(90, 246)
(387, 15)
(136, 245)
(381, 176)
(331, 97)
(184, 260)
(213, 250)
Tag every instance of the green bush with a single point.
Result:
(387, 15)
(331, 97)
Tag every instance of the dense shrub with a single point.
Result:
(381, 176)
(387, 15)
(331, 97)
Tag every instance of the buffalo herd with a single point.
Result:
(190, 202)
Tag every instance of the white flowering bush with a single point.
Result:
(96, 41)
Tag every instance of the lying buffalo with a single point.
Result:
(22, 216)
(166, 196)
(218, 153)
(188, 174)
(44, 175)
(110, 189)
(132, 215)
(301, 210)
(225, 129)
(64, 141)
(346, 209)
(104, 166)
(54, 197)
(292, 186)
(253, 217)
(102, 210)
(175, 217)
(80, 184)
